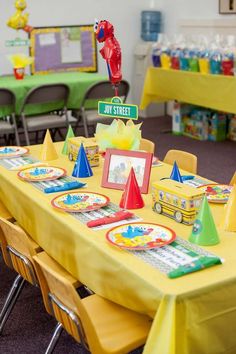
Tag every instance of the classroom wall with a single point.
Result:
(125, 15)
(174, 11)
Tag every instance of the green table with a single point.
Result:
(78, 83)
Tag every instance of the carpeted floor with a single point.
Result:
(216, 160)
(30, 327)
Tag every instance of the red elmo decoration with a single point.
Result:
(111, 51)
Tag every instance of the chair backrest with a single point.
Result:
(3, 246)
(55, 94)
(65, 300)
(147, 145)
(8, 100)
(104, 89)
(184, 160)
(7, 97)
(18, 249)
(233, 180)
(4, 213)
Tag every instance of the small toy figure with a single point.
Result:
(111, 51)
(74, 199)
(19, 20)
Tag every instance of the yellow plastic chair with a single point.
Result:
(4, 213)
(147, 145)
(17, 249)
(233, 180)
(98, 324)
(184, 160)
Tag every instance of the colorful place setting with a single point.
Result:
(12, 151)
(140, 236)
(217, 193)
(75, 202)
(41, 173)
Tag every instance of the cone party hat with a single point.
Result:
(82, 167)
(228, 222)
(131, 197)
(175, 174)
(69, 134)
(48, 151)
(204, 231)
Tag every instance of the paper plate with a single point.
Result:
(41, 173)
(75, 202)
(140, 236)
(12, 151)
(217, 193)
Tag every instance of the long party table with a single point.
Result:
(206, 90)
(193, 314)
(78, 83)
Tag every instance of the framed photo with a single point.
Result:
(227, 6)
(117, 167)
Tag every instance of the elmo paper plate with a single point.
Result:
(217, 193)
(75, 202)
(12, 151)
(41, 173)
(140, 236)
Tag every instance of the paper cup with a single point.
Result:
(19, 73)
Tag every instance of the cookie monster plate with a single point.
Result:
(75, 202)
(140, 236)
(41, 173)
(217, 193)
(12, 151)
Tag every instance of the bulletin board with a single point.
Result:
(66, 48)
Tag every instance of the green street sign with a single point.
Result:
(18, 42)
(117, 109)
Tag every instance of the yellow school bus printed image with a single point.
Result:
(176, 200)
(90, 146)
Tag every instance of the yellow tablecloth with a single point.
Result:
(195, 314)
(210, 91)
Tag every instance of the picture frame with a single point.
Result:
(117, 167)
(227, 7)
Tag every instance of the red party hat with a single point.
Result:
(131, 197)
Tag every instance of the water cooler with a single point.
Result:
(150, 28)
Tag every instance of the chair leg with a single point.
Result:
(25, 129)
(60, 134)
(16, 130)
(56, 334)
(11, 300)
(36, 137)
(85, 123)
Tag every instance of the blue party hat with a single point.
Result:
(82, 168)
(175, 174)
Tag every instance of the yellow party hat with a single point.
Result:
(48, 151)
(228, 222)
